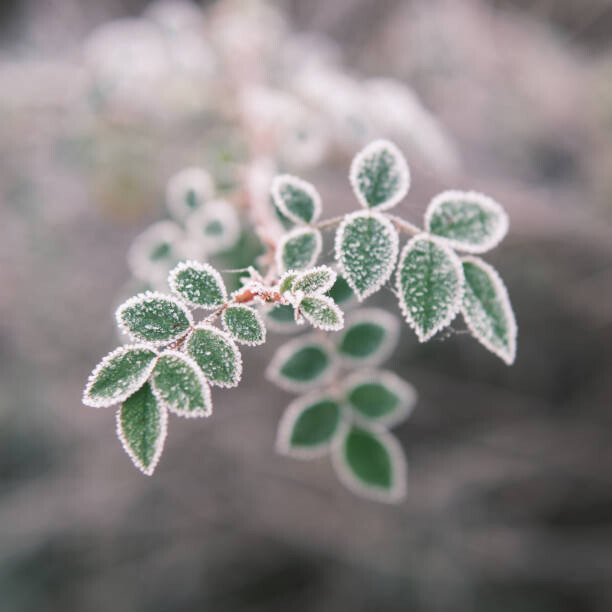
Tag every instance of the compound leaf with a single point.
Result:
(469, 221)
(119, 374)
(296, 199)
(244, 325)
(217, 354)
(366, 250)
(198, 284)
(379, 175)
(299, 249)
(179, 384)
(142, 425)
(429, 285)
(321, 312)
(314, 281)
(153, 317)
(487, 310)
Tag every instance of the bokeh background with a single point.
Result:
(510, 485)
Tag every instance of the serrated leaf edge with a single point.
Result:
(259, 319)
(330, 302)
(293, 234)
(309, 188)
(200, 267)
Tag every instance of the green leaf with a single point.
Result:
(340, 292)
(142, 425)
(286, 282)
(217, 354)
(119, 374)
(179, 384)
(244, 325)
(299, 249)
(315, 281)
(153, 317)
(296, 199)
(366, 250)
(369, 336)
(467, 220)
(370, 463)
(281, 318)
(379, 175)
(308, 426)
(216, 226)
(379, 397)
(302, 364)
(198, 284)
(321, 312)
(429, 285)
(187, 191)
(487, 310)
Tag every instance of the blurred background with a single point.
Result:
(509, 501)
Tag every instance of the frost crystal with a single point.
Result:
(321, 312)
(244, 325)
(315, 281)
(198, 284)
(298, 249)
(296, 199)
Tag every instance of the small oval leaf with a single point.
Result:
(153, 317)
(321, 312)
(315, 281)
(467, 220)
(198, 284)
(142, 425)
(487, 310)
(379, 175)
(216, 226)
(244, 325)
(366, 250)
(187, 191)
(340, 292)
(299, 249)
(296, 199)
(179, 384)
(281, 318)
(429, 285)
(121, 373)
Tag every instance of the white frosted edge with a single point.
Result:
(289, 418)
(122, 350)
(325, 326)
(138, 257)
(186, 359)
(192, 178)
(235, 351)
(502, 293)
(455, 306)
(215, 210)
(394, 248)
(287, 179)
(145, 297)
(377, 316)
(286, 350)
(293, 234)
(257, 317)
(402, 167)
(324, 288)
(284, 277)
(399, 468)
(200, 267)
(489, 204)
(159, 443)
(405, 392)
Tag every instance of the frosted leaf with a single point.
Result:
(315, 281)
(198, 284)
(187, 191)
(302, 364)
(369, 337)
(179, 384)
(308, 426)
(366, 250)
(216, 225)
(467, 220)
(487, 310)
(379, 175)
(429, 284)
(321, 312)
(286, 281)
(142, 425)
(281, 319)
(299, 249)
(296, 199)
(244, 325)
(154, 317)
(119, 374)
(370, 463)
(217, 354)
(341, 292)
(379, 397)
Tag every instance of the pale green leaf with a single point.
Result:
(366, 250)
(154, 317)
(379, 175)
(198, 284)
(216, 226)
(321, 312)
(119, 374)
(299, 249)
(187, 191)
(142, 425)
(286, 281)
(429, 285)
(296, 199)
(467, 220)
(487, 310)
(315, 281)
(179, 384)
(244, 325)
